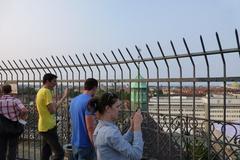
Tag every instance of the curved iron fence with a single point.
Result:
(177, 93)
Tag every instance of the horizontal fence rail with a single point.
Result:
(190, 101)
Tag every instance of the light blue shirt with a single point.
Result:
(111, 144)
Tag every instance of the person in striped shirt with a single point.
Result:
(12, 109)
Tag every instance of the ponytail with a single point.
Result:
(93, 105)
(99, 104)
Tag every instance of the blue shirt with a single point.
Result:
(110, 144)
(78, 111)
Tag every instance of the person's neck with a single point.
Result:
(87, 92)
(46, 86)
(106, 118)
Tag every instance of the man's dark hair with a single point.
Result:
(90, 83)
(7, 88)
(48, 77)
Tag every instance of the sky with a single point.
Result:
(31, 28)
(41, 28)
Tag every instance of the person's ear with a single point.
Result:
(107, 108)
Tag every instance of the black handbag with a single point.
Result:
(10, 127)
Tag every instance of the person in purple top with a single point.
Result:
(11, 110)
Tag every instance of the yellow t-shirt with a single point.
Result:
(46, 120)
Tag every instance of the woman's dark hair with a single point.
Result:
(107, 99)
(93, 104)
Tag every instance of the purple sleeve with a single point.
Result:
(19, 104)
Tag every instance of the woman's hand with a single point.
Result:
(131, 128)
(137, 121)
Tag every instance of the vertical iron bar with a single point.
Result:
(158, 106)
(1, 78)
(194, 96)
(55, 72)
(99, 75)
(21, 98)
(129, 71)
(181, 110)
(68, 129)
(85, 73)
(8, 69)
(115, 77)
(45, 65)
(121, 90)
(120, 70)
(88, 64)
(237, 39)
(224, 95)
(17, 87)
(121, 73)
(67, 107)
(138, 69)
(208, 100)
(41, 66)
(4, 72)
(14, 71)
(169, 101)
(105, 70)
(40, 84)
(69, 68)
(61, 88)
(34, 111)
(25, 101)
(146, 67)
(78, 73)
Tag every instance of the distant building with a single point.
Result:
(139, 94)
(173, 105)
(234, 85)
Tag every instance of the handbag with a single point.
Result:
(10, 127)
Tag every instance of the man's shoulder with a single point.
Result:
(7, 97)
(43, 90)
(81, 97)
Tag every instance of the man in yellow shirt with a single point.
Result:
(47, 118)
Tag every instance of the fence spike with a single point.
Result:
(237, 39)
(85, 73)
(88, 64)
(45, 65)
(41, 66)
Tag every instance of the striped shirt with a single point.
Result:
(10, 107)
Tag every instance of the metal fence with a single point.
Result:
(168, 134)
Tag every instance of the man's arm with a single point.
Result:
(24, 113)
(52, 107)
(23, 110)
(90, 124)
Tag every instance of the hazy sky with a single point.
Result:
(40, 28)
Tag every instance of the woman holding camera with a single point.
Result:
(108, 140)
